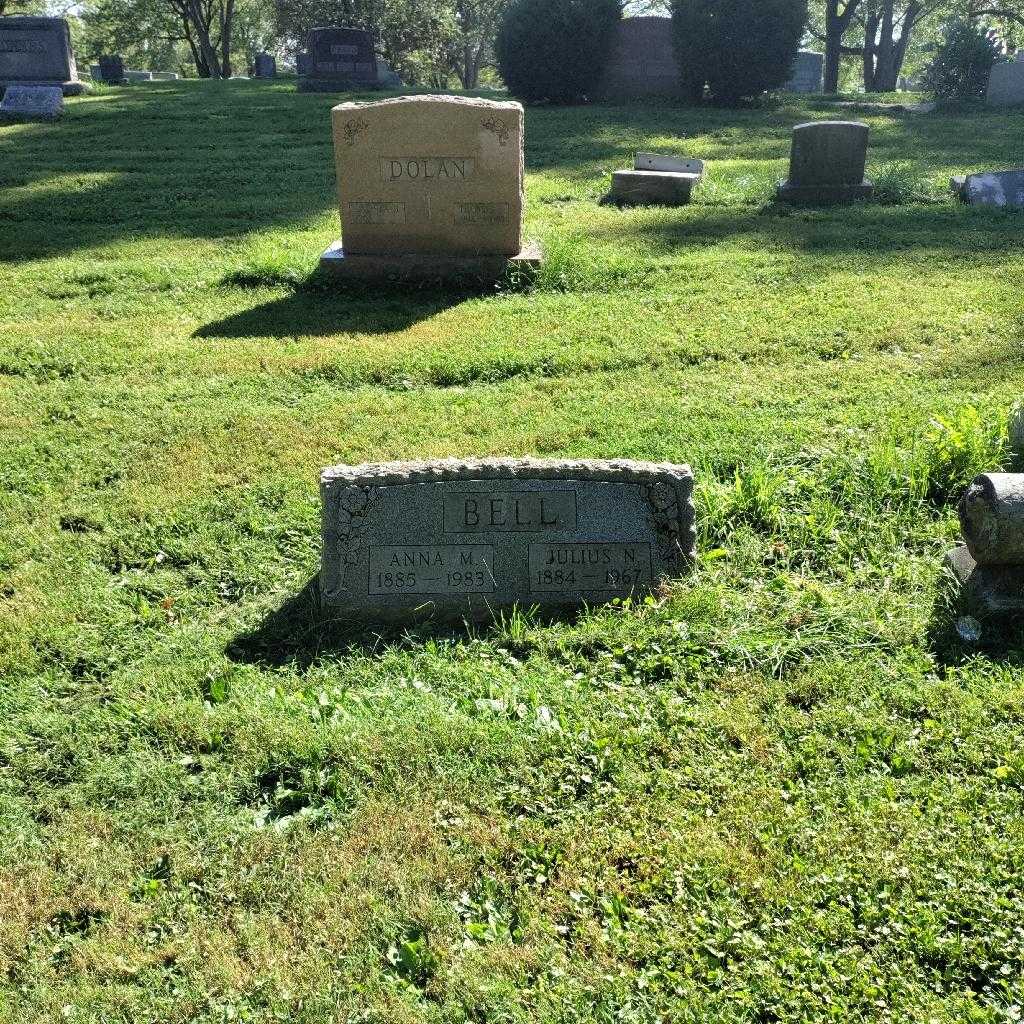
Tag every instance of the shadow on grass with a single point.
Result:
(323, 308)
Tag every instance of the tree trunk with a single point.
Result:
(870, 50)
(227, 17)
(836, 23)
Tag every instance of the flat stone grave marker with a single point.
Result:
(37, 51)
(1006, 83)
(340, 59)
(990, 564)
(429, 186)
(991, 188)
(404, 540)
(656, 180)
(827, 164)
(32, 103)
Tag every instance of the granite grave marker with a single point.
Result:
(642, 62)
(1006, 83)
(264, 66)
(827, 164)
(991, 188)
(340, 59)
(37, 51)
(462, 539)
(808, 73)
(112, 70)
(429, 186)
(656, 180)
(31, 103)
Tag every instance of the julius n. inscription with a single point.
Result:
(463, 539)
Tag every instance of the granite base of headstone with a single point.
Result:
(341, 59)
(990, 565)
(827, 164)
(656, 180)
(991, 188)
(37, 51)
(1006, 83)
(808, 73)
(23, 103)
(429, 187)
(463, 540)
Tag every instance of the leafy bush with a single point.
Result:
(555, 50)
(738, 48)
(963, 62)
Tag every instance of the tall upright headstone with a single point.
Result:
(642, 61)
(340, 59)
(827, 164)
(429, 186)
(37, 51)
(1006, 83)
(112, 70)
(808, 73)
(264, 66)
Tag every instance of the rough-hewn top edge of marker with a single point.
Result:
(612, 471)
(460, 101)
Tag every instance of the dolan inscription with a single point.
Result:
(463, 539)
(426, 168)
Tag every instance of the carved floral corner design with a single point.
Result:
(667, 513)
(499, 127)
(353, 129)
(355, 504)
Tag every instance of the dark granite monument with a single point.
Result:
(453, 539)
(112, 70)
(339, 59)
(826, 164)
(264, 66)
(37, 51)
(642, 61)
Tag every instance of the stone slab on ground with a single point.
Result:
(31, 103)
(663, 162)
(430, 174)
(652, 188)
(987, 591)
(462, 539)
(427, 267)
(991, 188)
(37, 51)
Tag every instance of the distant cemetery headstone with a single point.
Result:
(991, 188)
(808, 72)
(31, 103)
(1006, 83)
(656, 180)
(265, 66)
(990, 564)
(138, 76)
(403, 540)
(112, 70)
(340, 59)
(303, 65)
(642, 61)
(827, 164)
(387, 77)
(37, 51)
(429, 186)
(163, 76)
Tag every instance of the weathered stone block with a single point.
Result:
(652, 188)
(32, 103)
(463, 539)
(807, 74)
(1006, 84)
(430, 174)
(989, 591)
(991, 188)
(992, 518)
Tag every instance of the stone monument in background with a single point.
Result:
(339, 59)
(37, 51)
(264, 66)
(827, 164)
(808, 73)
(112, 70)
(642, 62)
(429, 187)
(1006, 83)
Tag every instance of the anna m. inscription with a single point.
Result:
(462, 539)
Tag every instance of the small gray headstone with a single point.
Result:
(32, 103)
(992, 188)
(463, 539)
(1006, 84)
(808, 71)
(827, 163)
(264, 66)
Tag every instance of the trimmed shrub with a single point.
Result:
(738, 48)
(963, 62)
(555, 51)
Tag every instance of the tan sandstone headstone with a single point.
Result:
(430, 175)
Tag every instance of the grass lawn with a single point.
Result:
(784, 793)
